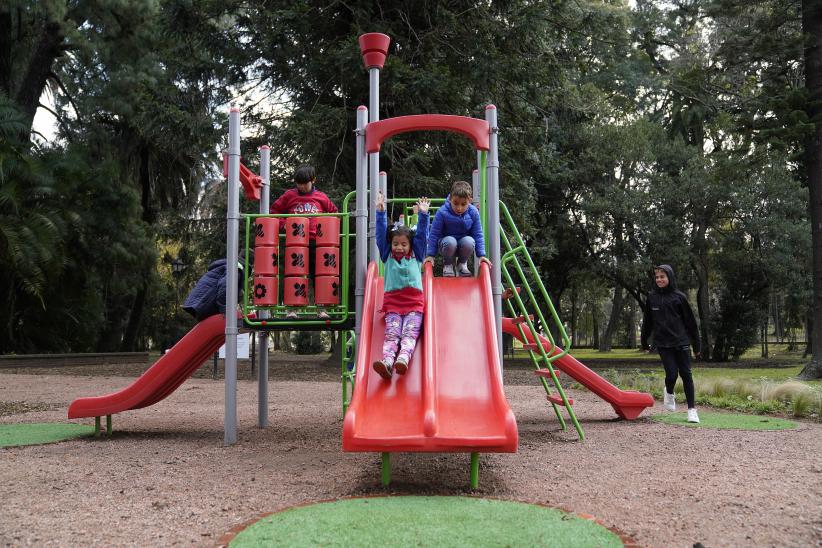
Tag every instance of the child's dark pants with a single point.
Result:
(678, 360)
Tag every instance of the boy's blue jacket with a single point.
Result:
(448, 223)
(208, 296)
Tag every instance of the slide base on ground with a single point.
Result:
(628, 404)
(451, 398)
(162, 378)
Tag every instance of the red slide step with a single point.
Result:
(557, 399)
(546, 373)
(521, 319)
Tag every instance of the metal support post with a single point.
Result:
(232, 229)
(360, 219)
(262, 373)
(492, 230)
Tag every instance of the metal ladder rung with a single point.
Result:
(521, 319)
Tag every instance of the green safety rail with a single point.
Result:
(349, 372)
(529, 311)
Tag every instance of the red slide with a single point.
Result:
(451, 399)
(162, 378)
(628, 404)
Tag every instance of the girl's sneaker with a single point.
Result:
(448, 271)
(463, 270)
(692, 415)
(385, 371)
(401, 365)
(670, 402)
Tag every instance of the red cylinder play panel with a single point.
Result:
(327, 261)
(327, 290)
(295, 261)
(267, 229)
(296, 231)
(328, 231)
(295, 291)
(265, 290)
(265, 260)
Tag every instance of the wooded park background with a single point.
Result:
(631, 133)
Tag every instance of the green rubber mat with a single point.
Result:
(424, 521)
(731, 421)
(12, 435)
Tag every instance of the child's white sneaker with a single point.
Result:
(463, 270)
(448, 271)
(670, 402)
(692, 415)
(401, 365)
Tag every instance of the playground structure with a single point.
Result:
(452, 398)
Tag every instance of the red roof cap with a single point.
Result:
(374, 49)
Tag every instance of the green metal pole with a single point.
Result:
(386, 469)
(96, 427)
(474, 470)
(109, 429)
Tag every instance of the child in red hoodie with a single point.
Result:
(304, 198)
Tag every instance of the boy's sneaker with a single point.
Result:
(692, 415)
(448, 271)
(384, 370)
(670, 402)
(463, 270)
(401, 365)
(291, 315)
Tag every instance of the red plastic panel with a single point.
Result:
(265, 290)
(327, 261)
(475, 129)
(327, 290)
(266, 231)
(265, 260)
(295, 261)
(328, 231)
(295, 291)
(296, 231)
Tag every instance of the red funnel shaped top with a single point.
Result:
(374, 49)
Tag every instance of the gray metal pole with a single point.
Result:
(492, 230)
(383, 186)
(360, 219)
(232, 228)
(262, 378)
(475, 194)
(374, 162)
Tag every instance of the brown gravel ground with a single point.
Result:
(166, 479)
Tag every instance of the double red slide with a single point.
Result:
(162, 378)
(451, 399)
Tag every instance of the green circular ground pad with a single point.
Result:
(424, 521)
(734, 421)
(12, 435)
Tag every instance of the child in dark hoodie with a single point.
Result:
(456, 231)
(670, 322)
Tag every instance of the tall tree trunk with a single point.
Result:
(630, 339)
(613, 320)
(574, 337)
(594, 326)
(699, 262)
(812, 31)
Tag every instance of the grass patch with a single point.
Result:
(13, 435)
(424, 521)
(726, 421)
(756, 390)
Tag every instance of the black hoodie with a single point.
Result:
(668, 318)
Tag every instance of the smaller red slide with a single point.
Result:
(628, 404)
(162, 378)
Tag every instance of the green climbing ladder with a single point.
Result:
(526, 313)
